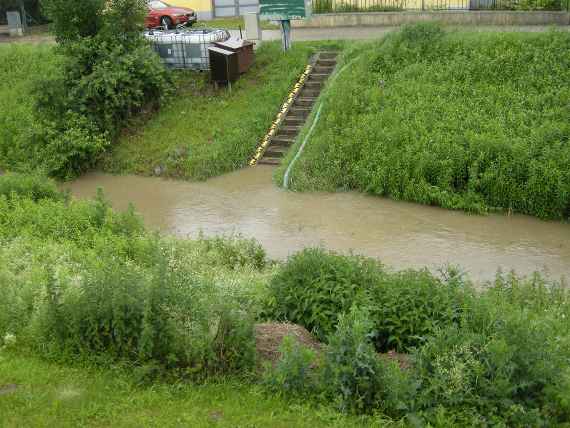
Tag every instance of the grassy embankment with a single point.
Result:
(21, 66)
(50, 394)
(461, 120)
(200, 133)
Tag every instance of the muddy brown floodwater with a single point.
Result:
(398, 233)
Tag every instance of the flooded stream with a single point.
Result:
(398, 233)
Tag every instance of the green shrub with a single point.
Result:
(315, 286)
(294, 375)
(84, 223)
(108, 74)
(34, 187)
(410, 306)
(351, 373)
(73, 20)
(503, 364)
(475, 121)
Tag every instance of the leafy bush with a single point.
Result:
(34, 187)
(476, 122)
(351, 368)
(294, 375)
(109, 73)
(410, 306)
(71, 21)
(315, 286)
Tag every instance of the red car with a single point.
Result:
(163, 15)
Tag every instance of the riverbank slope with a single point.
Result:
(477, 122)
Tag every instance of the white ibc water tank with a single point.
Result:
(186, 48)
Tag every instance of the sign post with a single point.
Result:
(285, 11)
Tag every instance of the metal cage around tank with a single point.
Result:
(186, 49)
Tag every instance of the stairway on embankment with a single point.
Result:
(299, 111)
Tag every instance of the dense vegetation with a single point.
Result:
(82, 283)
(466, 121)
(21, 67)
(478, 358)
(80, 93)
(78, 279)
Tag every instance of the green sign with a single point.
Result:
(281, 10)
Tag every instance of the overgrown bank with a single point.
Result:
(198, 133)
(82, 284)
(466, 121)
(203, 133)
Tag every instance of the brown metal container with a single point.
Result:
(243, 50)
(223, 65)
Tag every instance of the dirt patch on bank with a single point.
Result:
(269, 336)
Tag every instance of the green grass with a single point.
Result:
(53, 395)
(233, 24)
(203, 132)
(477, 122)
(21, 66)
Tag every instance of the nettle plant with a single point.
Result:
(315, 286)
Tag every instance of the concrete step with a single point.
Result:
(276, 151)
(318, 77)
(282, 140)
(321, 69)
(305, 101)
(293, 121)
(309, 93)
(328, 55)
(269, 161)
(312, 84)
(300, 111)
(326, 62)
(289, 130)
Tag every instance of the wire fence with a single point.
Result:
(340, 6)
(186, 48)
